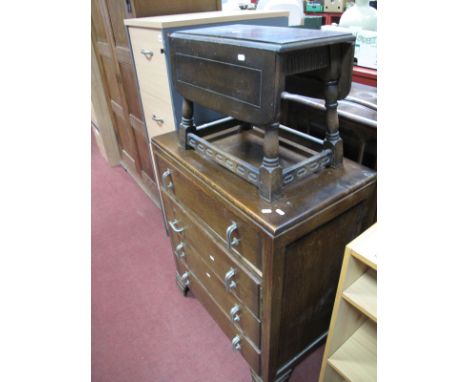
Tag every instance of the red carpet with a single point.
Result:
(143, 330)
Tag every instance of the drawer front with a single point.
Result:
(235, 234)
(235, 309)
(247, 351)
(150, 61)
(158, 114)
(246, 288)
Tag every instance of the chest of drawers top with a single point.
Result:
(298, 202)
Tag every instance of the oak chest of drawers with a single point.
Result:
(267, 272)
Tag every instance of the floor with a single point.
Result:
(143, 329)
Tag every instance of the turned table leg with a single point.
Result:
(186, 125)
(333, 140)
(271, 173)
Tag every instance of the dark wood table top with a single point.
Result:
(279, 39)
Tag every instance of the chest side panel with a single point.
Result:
(312, 266)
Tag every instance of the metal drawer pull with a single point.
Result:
(179, 251)
(173, 224)
(156, 119)
(232, 241)
(236, 345)
(229, 283)
(185, 279)
(167, 174)
(234, 313)
(147, 53)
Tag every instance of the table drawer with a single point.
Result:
(236, 235)
(247, 287)
(247, 351)
(150, 61)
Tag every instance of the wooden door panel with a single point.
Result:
(145, 158)
(97, 22)
(108, 68)
(118, 11)
(131, 90)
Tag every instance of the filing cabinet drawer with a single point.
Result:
(238, 342)
(158, 114)
(237, 235)
(150, 61)
(247, 287)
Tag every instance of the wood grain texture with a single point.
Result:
(220, 260)
(362, 294)
(351, 348)
(356, 359)
(316, 277)
(216, 214)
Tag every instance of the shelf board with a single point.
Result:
(356, 359)
(365, 247)
(362, 294)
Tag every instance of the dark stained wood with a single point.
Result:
(260, 59)
(247, 323)
(359, 139)
(171, 7)
(292, 247)
(248, 352)
(214, 212)
(304, 313)
(219, 260)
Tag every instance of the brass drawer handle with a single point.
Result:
(236, 343)
(185, 279)
(229, 283)
(157, 120)
(165, 176)
(234, 313)
(231, 240)
(173, 224)
(147, 53)
(179, 250)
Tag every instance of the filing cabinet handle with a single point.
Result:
(156, 119)
(236, 343)
(147, 53)
(185, 279)
(232, 241)
(179, 251)
(167, 174)
(229, 283)
(234, 313)
(173, 224)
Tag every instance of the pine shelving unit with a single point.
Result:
(351, 350)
